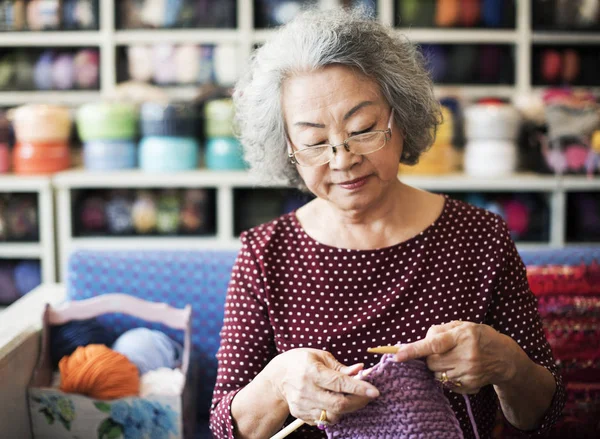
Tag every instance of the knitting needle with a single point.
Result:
(299, 422)
(383, 350)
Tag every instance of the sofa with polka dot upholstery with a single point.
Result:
(200, 278)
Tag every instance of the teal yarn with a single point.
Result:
(149, 349)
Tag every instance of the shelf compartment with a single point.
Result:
(583, 217)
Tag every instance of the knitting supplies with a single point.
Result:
(470, 12)
(144, 213)
(168, 154)
(447, 13)
(139, 62)
(225, 58)
(411, 404)
(99, 372)
(224, 153)
(28, 275)
(516, 215)
(109, 155)
(219, 115)
(41, 123)
(22, 218)
(492, 121)
(93, 214)
(490, 158)
(164, 67)
(8, 290)
(172, 120)
(107, 121)
(98, 409)
(551, 65)
(40, 158)
(168, 218)
(118, 214)
(65, 338)
(42, 73)
(436, 57)
(194, 211)
(87, 68)
(162, 381)
(63, 72)
(187, 62)
(149, 349)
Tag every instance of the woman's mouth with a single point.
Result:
(354, 184)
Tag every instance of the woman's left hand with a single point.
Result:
(465, 356)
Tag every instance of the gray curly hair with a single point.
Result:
(313, 40)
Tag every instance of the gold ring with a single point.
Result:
(448, 382)
(322, 422)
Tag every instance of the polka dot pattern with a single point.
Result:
(288, 291)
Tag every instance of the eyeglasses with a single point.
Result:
(360, 144)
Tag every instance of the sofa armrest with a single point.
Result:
(20, 326)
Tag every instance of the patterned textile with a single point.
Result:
(411, 405)
(199, 278)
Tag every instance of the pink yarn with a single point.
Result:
(412, 404)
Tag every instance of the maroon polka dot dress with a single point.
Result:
(288, 291)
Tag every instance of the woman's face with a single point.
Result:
(328, 106)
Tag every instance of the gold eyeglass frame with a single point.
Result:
(294, 160)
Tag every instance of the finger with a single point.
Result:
(438, 329)
(437, 344)
(441, 362)
(352, 370)
(337, 382)
(338, 404)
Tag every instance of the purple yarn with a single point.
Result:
(28, 275)
(8, 289)
(411, 405)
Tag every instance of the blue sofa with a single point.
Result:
(200, 278)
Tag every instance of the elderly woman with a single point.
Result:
(333, 104)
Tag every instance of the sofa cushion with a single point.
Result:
(199, 278)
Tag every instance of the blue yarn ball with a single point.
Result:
(28, 275)
(148, 349)
(64, 339)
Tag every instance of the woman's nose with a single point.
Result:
(343, 158)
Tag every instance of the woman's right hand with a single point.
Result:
(311, 380)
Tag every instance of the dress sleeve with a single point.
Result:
(246, 337)
(514, 312)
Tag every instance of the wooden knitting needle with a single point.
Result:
(383, 350)
(299, 422)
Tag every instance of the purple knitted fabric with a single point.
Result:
(412, 405)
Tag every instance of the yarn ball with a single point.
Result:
(148, 349)
(99, 372)
(65, 338)
(8, 290)
(162, 381)
(63, 72)
(139, 63)
(28, 275)
(411, 405)
(118, 214)
(87, 68)
(169, 205)
(42, 74)
(187, 61)
(447, 13)
(144, 212)
(93, 214)
(492, 13)
(22, 218)
(517, 216)
(436, 57)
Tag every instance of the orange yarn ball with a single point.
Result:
(99, 372)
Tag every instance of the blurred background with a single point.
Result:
(116, 121)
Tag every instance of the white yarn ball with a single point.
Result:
(162, 381)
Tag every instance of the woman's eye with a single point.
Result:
(315, 144)
(363, 131)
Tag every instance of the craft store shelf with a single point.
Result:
(565, 37)
(69, 98)
(44, 249)
(177, 36)
(460, 36)
(20, 250)
(51, 39)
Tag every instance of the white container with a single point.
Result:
(490, 158)
(492, 121)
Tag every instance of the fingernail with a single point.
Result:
(372, 393)
(401, 355)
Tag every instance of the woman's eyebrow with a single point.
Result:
(346, 116)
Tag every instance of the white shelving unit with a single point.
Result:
(44, 250)
(225, 183)
(108, 39)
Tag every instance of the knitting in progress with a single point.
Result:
(411, 405)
